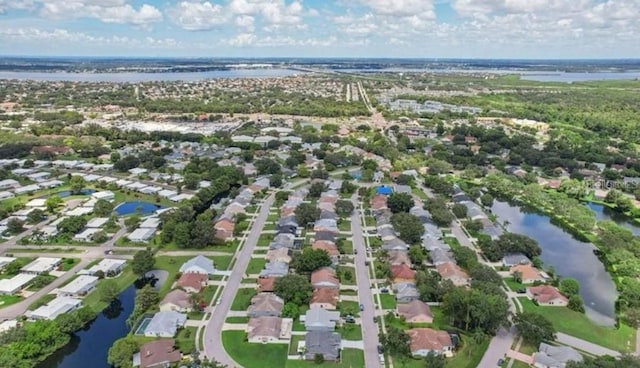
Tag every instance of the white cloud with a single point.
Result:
(197, 16)
(402, 8)
(109, 11)
(245, 22)
(243, 39)
(272, 11)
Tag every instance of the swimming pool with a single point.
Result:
(143, 326)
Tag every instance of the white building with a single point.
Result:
(141, 235)
(138, 171)
(41, 265)
(5, 261)
(86, 235)
(79, 211)
(108, 266)
(27, 189)
(80, 286)
(166, 193)
(16, 283)
(106, 195)
(7, 195)
(37, 202)
(51, 183)
(181, 197)
(150, 223)
(9, 184)
(56, 307)
(150, 190)
(97, 222)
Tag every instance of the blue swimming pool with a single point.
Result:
(139, 207)
(143, 326)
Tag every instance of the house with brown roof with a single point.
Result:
(265, 284)
(278, 255)
(415, 311)
(425, 340)
(528, 274)
(325, 277)
(547, 295)
(176, 300)
(402, 273)
(451, 271)
(265, 305)
(325, 298)
(269, 329)
(328, 246)
(192, 282)
(398, 257)
(157, 354)
(224, 229)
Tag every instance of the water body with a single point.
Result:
(605, 213)
(139, 207)
(569, 257)
(89, 347)
(148, 77)
(579, 77)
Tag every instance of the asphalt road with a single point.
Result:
(213, 347)
(498, 348)
(369, 328)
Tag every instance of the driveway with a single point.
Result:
(498, 348)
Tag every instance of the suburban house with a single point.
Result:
(17, 282)
(515, 259)
(224, 228)
(402, 273)
(157, 354)
(80, 286)
(176, 300)
(451, 271)
(192, 282)
(41, 265)
(265, 305)
(547, 295)
(325, 235)
(405, 292)
(416, 311)
(325, 298)
(198, 264)
(549, 356)
(165, 324)
(425, 340)
(319, 319)
(397, 257)
(269, 329)
(265, 284)
(275, 269)
(109, 267)
(324, 277)
(56, 307)
(324, 343)
(278, 255)
(528, 274)
(327, 246)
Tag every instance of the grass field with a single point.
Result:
(186, 340)
(254, 355)
(580, 326)
(242, 299)
(237, 320)
(347, 247)
(256, 265)
(7, 300)
(388, 301)
(264, 240)
(347, 275)
(350, 358)
(344, 225)
(293, 345)
(69, 263)
(41, 301)
(350, 331)
(221, 262)
(126, 278)
(513, 285)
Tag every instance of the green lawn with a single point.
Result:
(579, 325)
(468, 355)
(270, 226)
(519, 364)
(293, 344)
(347, 275)
(256, 265)
(41, 301)
(126, 278)
(195, 315)
(349, 307)
(237, 320)
(388, 301)
(69, 263)
(351, 358)
(347, 247)
(7, 300)
(186, 340)
(419, 193)
(221, 262)
(242, 299)
(254, 355)
(344, 225)
(273, 217)
(369, 221)
(513, 285)
(208, 292)
(350, 331)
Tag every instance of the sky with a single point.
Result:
(520, 29)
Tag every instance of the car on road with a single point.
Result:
(381, 357)
(108, 252)
(500, 362)
(349, 319)
(380, 350)
(361, 307)
(355, 251)
(384, 290)
(521, 291)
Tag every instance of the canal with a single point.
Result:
(568, 256)
(605, 213)
(89, 347)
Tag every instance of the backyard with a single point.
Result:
(350, 358)
(254, 355)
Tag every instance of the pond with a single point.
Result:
(139, 207)
(568, 256)
(89, 347)
(605, 213)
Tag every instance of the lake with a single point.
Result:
(568, 256)
(579, 77)
(89, 347)
(139, 207)
(605, 213)
(148, 77)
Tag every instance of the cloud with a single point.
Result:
(108, 11)
(272, 11)
(197, 16)
(243, 39)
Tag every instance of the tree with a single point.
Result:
(400, 202)
(293, 288)
(486, 200)
(416, 254)
(408, 226)
(433, 360)
(518, 243)
(72, 225)
(15, 225)
(576, 303)
(36, 216)
(310, 260)
(461, 306)
(344, 208)
(534, 328)
(607, 361)
(132, 222)
(396, 342)
(103, 208)
(77, 183)
(290, 310)
(318, 358)
(316, 189)
(459, 210)
(108, 290)
(69, 322)
(306, 213)
(121, 351)
(569, 286)
(52, 203)
(275, 181)
(143, 261)
(267, 166)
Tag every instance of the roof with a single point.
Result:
(527, 271)
(450, 269)
(326, 245)
(546, 293)
(275, 268)
(42, 264)
(264, 326)
(414, 309)
(192, 280)
(405, 290)
(324, 275)
(319, 317)
(325, 296)
(106, 265)
(428, 339)
(177, 297)
(97, 222)
(56, 307)
(402, 271)
(198, 264)
(158, 353)
(397, 257)
(8, 286)
(141, 234)
(165, 323)
(79, 284)
(555, 356)
(265, 302)
(265, 284)
(322, 342)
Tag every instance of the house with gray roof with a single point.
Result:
(515, 259)
(282, 240)
(440, 256)
(325, 235)
(265, 305)
(165, 324)
(403, 189)
(275, 269)
(405, 292)
(198, 264)
(550, 356)
(394, 244)
(324, 343)
(320, 319)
